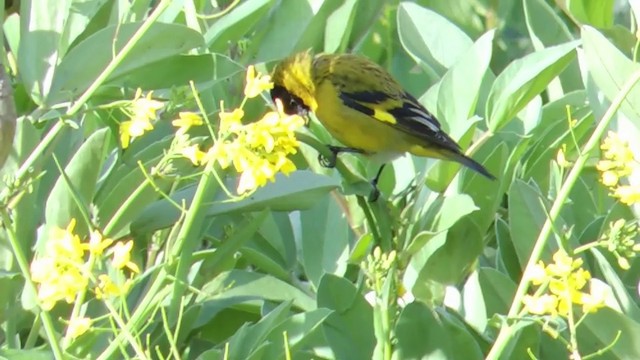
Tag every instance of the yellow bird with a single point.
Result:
(363, 107)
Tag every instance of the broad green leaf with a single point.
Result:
(179, 70)
(508, 257)
(298, 329)
(83, 171)
(441, 48)
(246, 283)
(595, 13)
(441, 215)
(292, 26)
(527, 215)
(125, 191)
(250, 340)
(298, 191)
(75, 73)
(487, 292)
(610, 69)
(273, 248)
(339, 25)
(42, 24)
(349, 329)
(600, 329)
(546, 28)
(459, 89)
(236, 24)
(325, 240)
(625, 300)
(421, 335)
(523, 79)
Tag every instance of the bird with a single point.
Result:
(364, 108)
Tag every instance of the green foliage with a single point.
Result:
(528, 88)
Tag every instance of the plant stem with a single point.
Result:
(506, 332)
(23, 264)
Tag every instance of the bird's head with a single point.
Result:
(293, 84)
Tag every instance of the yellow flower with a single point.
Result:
(610, 178)
(60, 271)
(542, 305)
(107, 288)
(132, 129)
(231, 121)
(143, 108)
(97, 243)
(537, 274)
(256, 83)
(122, 256)
(186, 120)
(141, 112)
(194, 154)
(63, 243)
(628, 194)
(561, 159)
(78, 326)
(593, 300)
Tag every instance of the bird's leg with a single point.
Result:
(375, 193)
(330, 162)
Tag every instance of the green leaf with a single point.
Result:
(300, 190)
(298, 328)
(600, 329)
(460, 86)
(610, 69)
(236, 24)
(527, 215)
(487, 292)
(82, 170)
(74, 74)
(421, 335)
(523, 79)
(302, 23)
(42, 26)
(626, 301)
(595, 13)
(325, 240)
(546, 29)
(349, 329)
(440, 49)
(545, 26)
(338, 28)
(249, 341)
(236, 283)
(507, 251)
(179, 70)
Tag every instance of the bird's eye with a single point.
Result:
(291, 103)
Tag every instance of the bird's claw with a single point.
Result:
(375, 193)
(328, 162)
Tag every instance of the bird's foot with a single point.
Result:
(330, 162)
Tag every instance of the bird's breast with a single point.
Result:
(353, 128)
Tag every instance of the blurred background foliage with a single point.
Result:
(291, 271)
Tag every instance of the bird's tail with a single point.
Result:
(451, 154)
(468, 162)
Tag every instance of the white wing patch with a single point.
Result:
(423, 118)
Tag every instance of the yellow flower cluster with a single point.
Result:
(560, 285)
(257, 150)
(64, 270)
(141, 112)
(618, 161)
